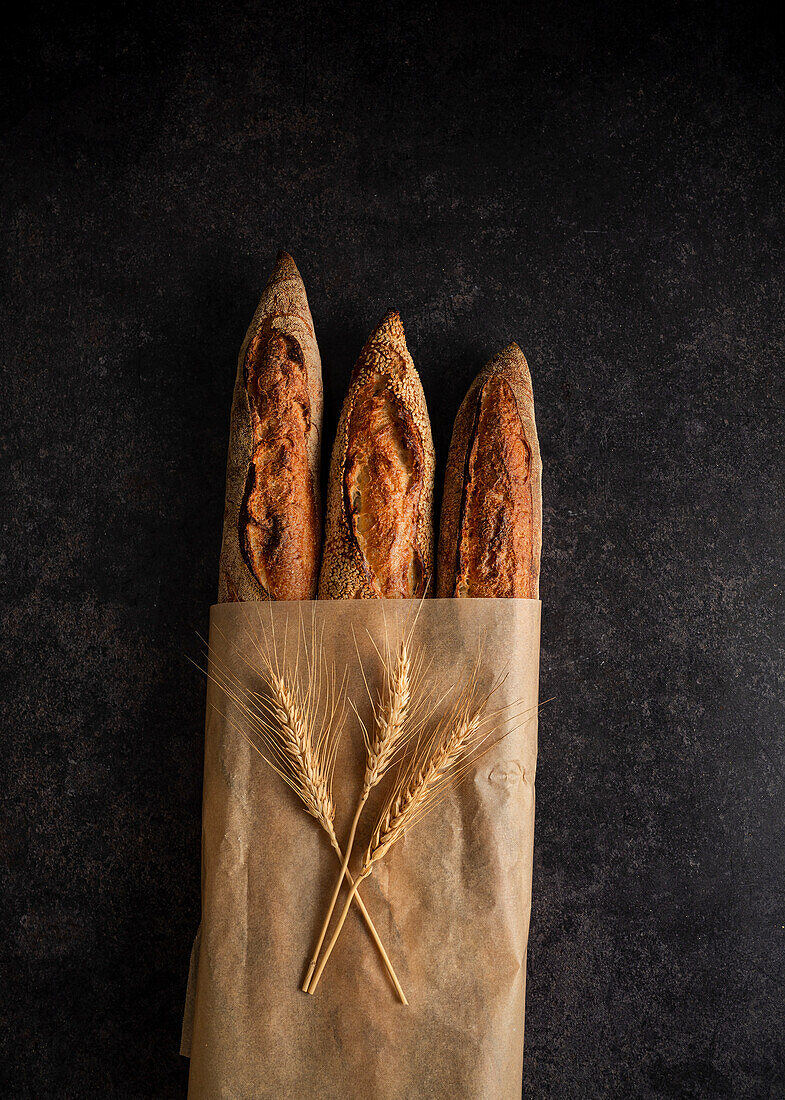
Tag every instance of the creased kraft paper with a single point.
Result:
(451, 900)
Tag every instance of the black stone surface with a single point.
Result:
(601, 184)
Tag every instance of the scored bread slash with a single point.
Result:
(379, 529)
(272, 523)
(490, 536)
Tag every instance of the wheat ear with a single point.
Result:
(391, 714)
(443, 762)
(305, 761)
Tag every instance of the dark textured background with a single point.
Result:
(600, 184)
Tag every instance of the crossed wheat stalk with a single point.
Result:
(295, 725)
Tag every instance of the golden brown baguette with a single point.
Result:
(491, 525)
(379, 532)
(272, 527)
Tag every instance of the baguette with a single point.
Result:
(379, 530)
(272, 530)
(491, 523)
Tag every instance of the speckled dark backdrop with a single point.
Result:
(603, 186)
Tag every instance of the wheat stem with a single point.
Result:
(352, 894)
(391, 717)
(371, 929)
(334, 898)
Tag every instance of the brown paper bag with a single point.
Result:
(451, 900)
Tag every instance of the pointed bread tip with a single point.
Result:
(514, 350)
(510, 356)
(390, 330)
(285, 267)
(388, 337)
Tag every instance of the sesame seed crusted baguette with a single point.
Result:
(379, 529)
(272, 526)
(490, 536)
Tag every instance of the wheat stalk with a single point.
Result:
(392, 713)
(438, 766)
(296, 745)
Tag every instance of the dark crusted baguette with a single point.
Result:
(272, 527)
(491, 523)
(379, 531)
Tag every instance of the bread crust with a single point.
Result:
(379, 528)
(272, 528)
(490, 536)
